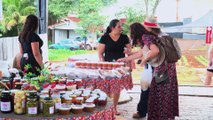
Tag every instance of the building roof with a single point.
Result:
(203, 22)
(67, 23)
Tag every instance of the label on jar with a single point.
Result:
(5, 106)
(32, 110)
(41, 106)
(23, 104)
(57, 105)
(51, 110)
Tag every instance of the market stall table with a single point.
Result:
(101, 113)
(107, 82)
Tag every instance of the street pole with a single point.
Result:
(177, 10)
(43, 16)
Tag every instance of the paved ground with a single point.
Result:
(193, 105)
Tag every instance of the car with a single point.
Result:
(80, 41)
(86, 43)
(65, 44)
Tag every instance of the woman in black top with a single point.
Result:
(111, 47)
(30, 46)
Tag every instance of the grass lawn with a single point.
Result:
(64, 54)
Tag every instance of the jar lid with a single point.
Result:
(48, 98)
(80, 98)
(14, 90)
(5, 80)
(55, 95)
(68, 98)
(6, 92)
(78, 80)
(17, 78)
(32, 92)
(44, 96)
(102, 98)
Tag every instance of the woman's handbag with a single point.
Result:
(162, 77)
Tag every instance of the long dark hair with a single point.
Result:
(112, 24)
(30, 26)
(156, 31)
(136, 32)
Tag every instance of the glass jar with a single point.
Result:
(19, 102)
(15, 80)
(102, 101)
(12, 93)
(7, 82)
(48, 107)
(41, 102)
(32, 104)
(6, 102)
(57, 101)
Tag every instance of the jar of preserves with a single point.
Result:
(32, 104)
(19, 102)
(48, 107)
(12, 94)
(6, 102)
(16, 80)
(57, 101)
(41, 102)
(7, 83)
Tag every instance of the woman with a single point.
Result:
(209, 72)
(30, 46)
(163, 98)
(136, 32)
(111, 47)
(16, 61)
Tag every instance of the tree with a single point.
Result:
(131, 16)
(153, 4)
(15, 12)
(86, 10)
(61, 8)
(89, 15)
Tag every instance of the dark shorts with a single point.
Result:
(210, 70)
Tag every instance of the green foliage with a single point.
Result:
(61, 8)
(202, 60)
(15, 12)
(87, 11)
(63, 54)
(131, 16)
(91, 20)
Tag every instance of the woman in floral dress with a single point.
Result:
(163, 98)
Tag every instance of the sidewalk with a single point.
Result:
(192, 104)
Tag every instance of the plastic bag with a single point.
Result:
(146, 77)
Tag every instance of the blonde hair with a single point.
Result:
(17, 61)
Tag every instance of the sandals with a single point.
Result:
(117, 113)
(136, 115)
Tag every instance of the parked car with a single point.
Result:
(65, 44)
(80, 41)
(86, 43)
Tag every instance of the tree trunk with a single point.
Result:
(155, 7)
(147, 7)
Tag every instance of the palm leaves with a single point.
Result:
(15, 12)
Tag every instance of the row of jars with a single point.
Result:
(98, 65)
(22, 103)
(32, 104)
